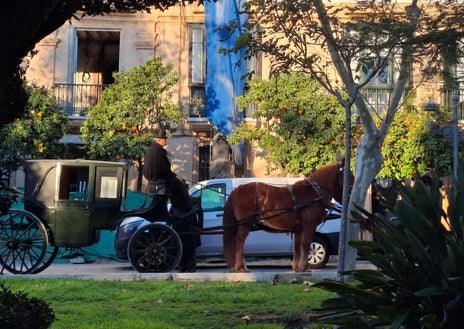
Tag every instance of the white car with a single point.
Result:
(214, 194)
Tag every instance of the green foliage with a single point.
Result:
(121, 124)
(411, 146)
(19, 311)
(419, 256)
(37, 133)
(301, 126)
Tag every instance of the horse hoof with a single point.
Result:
(240, 270)
(306, 270)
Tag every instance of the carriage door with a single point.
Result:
(109, 193)
(71, 212)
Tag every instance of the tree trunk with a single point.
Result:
(369, 157)
(368, 163)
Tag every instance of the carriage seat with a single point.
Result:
(157, 188)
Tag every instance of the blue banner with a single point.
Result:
(224, 79)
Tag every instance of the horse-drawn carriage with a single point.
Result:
(68, 202)
(66, 205)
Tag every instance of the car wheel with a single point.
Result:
(319, 253)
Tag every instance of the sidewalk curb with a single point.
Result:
(272, 277)
(116, 271)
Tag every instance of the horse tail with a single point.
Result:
(230, 231)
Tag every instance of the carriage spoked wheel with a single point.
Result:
(154, 248)
(49, 257)
(23, 241)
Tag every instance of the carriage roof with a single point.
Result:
(44, 178)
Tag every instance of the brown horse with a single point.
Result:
(297, 208)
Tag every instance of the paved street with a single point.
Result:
(264, 270)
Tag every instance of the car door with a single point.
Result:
(213, 197)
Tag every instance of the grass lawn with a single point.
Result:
(83, 304)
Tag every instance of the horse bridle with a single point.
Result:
(317, 188)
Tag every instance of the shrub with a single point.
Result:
(19, 311)
(419, 281)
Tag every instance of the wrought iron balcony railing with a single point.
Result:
(76, 99)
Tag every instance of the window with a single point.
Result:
(197, 69)
(204, 160)
(378, 88)
(252, 71)
(97, 57)
(377, 98)
(448, 94)
(383, 77)
(213, 197)
(73, 183)
(107, 183)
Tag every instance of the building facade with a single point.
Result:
(78, 59)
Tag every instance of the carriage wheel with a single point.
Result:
(23, 241)
(48, 259)
(50, 255)
(154, 248)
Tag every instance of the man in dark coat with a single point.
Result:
(158, 167)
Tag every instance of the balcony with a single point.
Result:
(76, 99)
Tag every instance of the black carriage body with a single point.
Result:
(75, 198)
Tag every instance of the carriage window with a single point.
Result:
(73, 183)
(213, 197)
(107, 182)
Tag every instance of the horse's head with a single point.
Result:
(338, 190)
(330, 178)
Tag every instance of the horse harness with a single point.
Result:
(296, 207)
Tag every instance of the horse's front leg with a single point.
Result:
(305, 247)
(304, 263)
(242, 233)
(296, 253)
(301, 253)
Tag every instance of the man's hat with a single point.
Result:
(159, 133)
